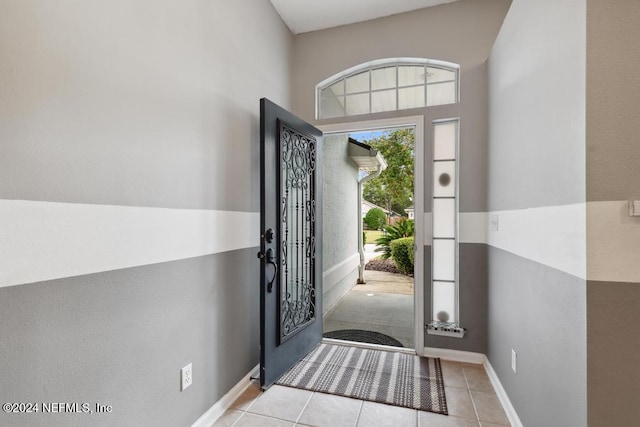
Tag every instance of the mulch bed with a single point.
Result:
(382, 265)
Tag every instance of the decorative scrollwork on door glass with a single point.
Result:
(298, 216)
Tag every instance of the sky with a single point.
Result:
(367, 136)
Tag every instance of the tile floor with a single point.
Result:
(471, 400)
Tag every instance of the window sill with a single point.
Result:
(446, 329)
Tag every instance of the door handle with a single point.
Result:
(270, 259)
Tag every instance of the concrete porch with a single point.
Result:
(384, 304)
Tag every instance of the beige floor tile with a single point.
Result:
(429, 419)
(381, 415)
(228, 418)
(489, 408)
(254, 420)
(247, 398)
(485, 424)
(331, 411)
(281, 402)
(453, 374)
(459, 402)
(478, 380)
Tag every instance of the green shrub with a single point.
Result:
(375, 219)
(402, 254)
(404, 228)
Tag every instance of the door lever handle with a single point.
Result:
(270, 259)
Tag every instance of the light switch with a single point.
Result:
(494, 222)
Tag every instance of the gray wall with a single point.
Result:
(121, 337)
(537, 107)
(613, 168)
(536, 159)
(149, 104)
(473, 300)
(613, 339)
(340, 203)
(462, 32)
(613, 173)
(340, 216)
(540, 312)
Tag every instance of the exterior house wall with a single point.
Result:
(340, 220)
(536, 195)
(613, 178)
(461, 32)
(129, 199)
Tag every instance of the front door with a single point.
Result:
(290, 246)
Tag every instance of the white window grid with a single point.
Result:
(381, 64)
(455, 318)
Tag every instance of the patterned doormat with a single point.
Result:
(393, 378)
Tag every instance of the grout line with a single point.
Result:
(254, 401)
(236, 421)
(269, 417)
(359, 412)
(304, 408)
(471, 395)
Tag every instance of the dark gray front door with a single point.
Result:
(291, 234)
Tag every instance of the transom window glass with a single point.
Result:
(388, 85)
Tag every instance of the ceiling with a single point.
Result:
(302, 16)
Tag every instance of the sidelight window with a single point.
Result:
(444, 245)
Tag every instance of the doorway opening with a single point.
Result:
(380, 301)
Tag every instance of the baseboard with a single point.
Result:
(454, 355)
(331, 297)
(337, 273)
(211, 416)
(514, 420)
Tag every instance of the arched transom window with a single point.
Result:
(387, 85)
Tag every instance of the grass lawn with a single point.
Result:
(373, 235)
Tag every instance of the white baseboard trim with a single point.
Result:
(454, 355)
(514, 420)
(211, 416)
(336, 273)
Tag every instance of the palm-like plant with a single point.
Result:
(403, 228)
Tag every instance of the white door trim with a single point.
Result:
(416, 122)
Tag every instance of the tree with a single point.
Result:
(393, 189)
(375, 219)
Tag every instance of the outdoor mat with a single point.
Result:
(361, 335)
(389, 377)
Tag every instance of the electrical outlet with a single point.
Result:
(514, 357)
(186, 377)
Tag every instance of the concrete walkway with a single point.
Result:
(383, 304)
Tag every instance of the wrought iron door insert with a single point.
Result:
(297, 287)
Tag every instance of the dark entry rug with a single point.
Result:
(360, 335)
(393, 378)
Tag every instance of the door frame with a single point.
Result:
(416, 122)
